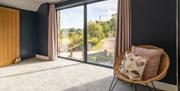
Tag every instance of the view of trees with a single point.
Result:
(97, 31)
(100, 33)
(100, 30)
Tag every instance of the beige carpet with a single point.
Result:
(59, 75)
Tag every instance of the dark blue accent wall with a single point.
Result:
(42, 32)
(34, 32)
(28, 28)
(154, 22)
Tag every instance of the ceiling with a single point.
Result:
(32, 5)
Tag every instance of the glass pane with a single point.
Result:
(101, 18)
(70, 31)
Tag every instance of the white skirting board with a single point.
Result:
(42, 57)
(159, 85)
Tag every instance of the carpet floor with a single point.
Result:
(59, 75)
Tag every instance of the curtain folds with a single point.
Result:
(52, 33)
(123, 34)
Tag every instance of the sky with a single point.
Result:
(74, 17)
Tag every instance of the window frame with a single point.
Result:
(67, 5)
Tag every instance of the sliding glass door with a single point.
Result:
(101, 18)
(87, 32)
(70, 29)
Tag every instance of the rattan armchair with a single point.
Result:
(163, 68)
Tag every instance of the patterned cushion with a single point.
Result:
(133, 66)
(152, 64)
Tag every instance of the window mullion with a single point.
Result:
(85, 33)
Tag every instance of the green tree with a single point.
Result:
(72, 30)
(59, 39)
(106, 28)
(112, 25)
(95, 30)
(76, 41)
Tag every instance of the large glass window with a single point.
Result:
(70, 29)
(100, 19)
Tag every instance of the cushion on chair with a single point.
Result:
(152, 65)
(133, 66)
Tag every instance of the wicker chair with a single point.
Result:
(163, 68)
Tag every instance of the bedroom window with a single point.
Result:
(101, 21)
(70, 40)
(87, 32)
